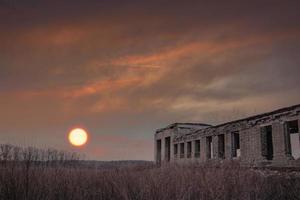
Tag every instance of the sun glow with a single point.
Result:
(78, 137)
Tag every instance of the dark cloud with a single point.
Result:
(122, 69)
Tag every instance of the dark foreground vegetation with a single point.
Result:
(30, 173)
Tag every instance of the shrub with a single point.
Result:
(30, 173)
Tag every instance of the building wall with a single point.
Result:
(250, 134)
(162, 136)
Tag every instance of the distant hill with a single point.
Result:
(114, 164)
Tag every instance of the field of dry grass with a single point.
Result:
(29, 173)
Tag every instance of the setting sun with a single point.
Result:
(78, 137)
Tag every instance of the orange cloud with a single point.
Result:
(202, 48)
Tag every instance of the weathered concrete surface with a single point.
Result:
(257, 147)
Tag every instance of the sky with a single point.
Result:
(122, 69)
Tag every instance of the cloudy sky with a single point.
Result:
(122, 69)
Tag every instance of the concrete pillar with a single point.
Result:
(256, 156)
(171, 149)
(193, 150)
(215, 147)
(250, 145)
(279, 144)
(203, 149)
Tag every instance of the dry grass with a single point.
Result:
(27, 174)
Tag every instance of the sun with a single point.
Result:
(78, 137)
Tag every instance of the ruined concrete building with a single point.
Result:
(266, 139)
